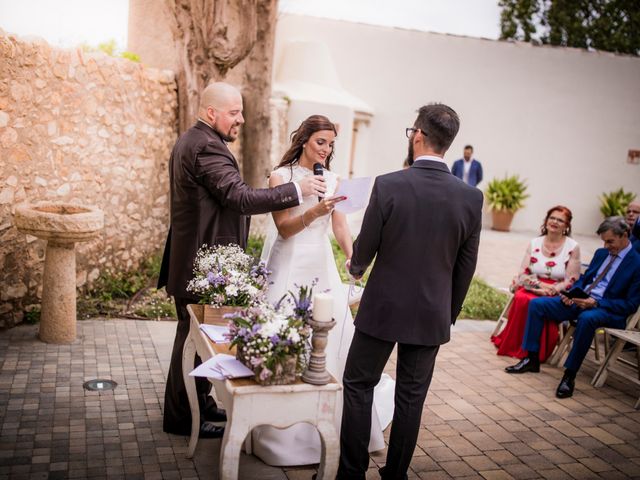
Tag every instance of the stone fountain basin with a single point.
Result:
(59, 222)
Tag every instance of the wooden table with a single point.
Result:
(249, 405)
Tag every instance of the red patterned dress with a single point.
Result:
(560, 269)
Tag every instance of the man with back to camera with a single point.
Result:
(210, 204)
(467, 168)
(423, 227)
(612, 283)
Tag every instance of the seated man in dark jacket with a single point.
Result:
(633, 220)
(612, 283)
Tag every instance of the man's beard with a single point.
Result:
(227, 137)
(410, 153)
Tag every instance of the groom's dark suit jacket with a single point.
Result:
(422, 226)
(209, 203)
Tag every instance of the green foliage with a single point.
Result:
(156, 304)
(483, 302)
(610, 25)
(616, 202)
(112, 285)
(127, 293)
(507, 194)
(110, 47)
(134, 57)
(518, 19)
(254, 245)
(32, 316)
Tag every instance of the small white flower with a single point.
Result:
(231, 290)
(294, 336)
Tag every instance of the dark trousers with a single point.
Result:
(588, 321)
(177, 414)
(365, 363)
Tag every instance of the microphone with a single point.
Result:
(318, 170)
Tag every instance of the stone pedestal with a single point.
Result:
(62, 225)
(58, 317)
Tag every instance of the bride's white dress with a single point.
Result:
(299, 260)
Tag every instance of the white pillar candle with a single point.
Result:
(322, 307)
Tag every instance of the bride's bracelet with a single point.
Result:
(302, 217)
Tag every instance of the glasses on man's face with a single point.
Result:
(557, 220)
(409, 131)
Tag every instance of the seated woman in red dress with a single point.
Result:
(551, 264)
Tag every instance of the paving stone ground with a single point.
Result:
(478, 422)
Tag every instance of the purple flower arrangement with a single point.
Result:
(224, 275)
(268, 337)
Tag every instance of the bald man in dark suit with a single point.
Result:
(210, 204)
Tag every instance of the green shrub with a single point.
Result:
(110, 47)
(616, 202)
(483, 302)
(254, 245)
(156, 304)
(32, 316)
(134, 57)
(117, 293)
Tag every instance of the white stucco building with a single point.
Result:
(564, 119)
(561, 118)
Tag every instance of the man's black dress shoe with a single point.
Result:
(207, 430)
(214, 414)
(523, 366)
(565, 389)
(381, 471)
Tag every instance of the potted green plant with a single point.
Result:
(616, 202)
(505, 197)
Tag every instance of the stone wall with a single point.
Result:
(85, 128)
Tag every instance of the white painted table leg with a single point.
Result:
(330, 453)
(188, 360)
(234, 435)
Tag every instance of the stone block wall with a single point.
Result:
(85, 128)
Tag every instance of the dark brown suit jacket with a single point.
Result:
(210, 204)
(422, 226)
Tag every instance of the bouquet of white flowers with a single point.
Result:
(224, 275)
(270, 341)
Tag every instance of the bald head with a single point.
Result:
(633, 213)
(221, 107)
(218, 95)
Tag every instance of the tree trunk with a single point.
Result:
(256, 144)
(211, 38)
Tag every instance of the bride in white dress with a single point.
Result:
(298, 251)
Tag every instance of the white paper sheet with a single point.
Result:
(221, 366)
(357, 192)
(215, 332)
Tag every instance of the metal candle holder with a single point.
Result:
(316, 372)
